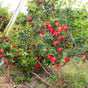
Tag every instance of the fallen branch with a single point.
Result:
(41, 78)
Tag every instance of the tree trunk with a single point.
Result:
(60, 78)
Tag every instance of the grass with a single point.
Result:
(75, 75)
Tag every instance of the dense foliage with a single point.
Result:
(4, 18)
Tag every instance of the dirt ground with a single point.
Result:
(6, 81)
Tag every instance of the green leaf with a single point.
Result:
(51, 76)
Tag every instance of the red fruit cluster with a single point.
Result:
(47, 25)
(60, 29)
(38, 66)
(51, 29)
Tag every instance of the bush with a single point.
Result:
(4, 18)
(46, 36)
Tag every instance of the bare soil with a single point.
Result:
(6, 81)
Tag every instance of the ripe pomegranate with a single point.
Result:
(56, 65)
(9, 63)
(40, 2)
(17, 54)
(57, 23)
(11, 57)
(6, 66)
(49, 26)
(3, 19)
(14, 46)
(53, 59)
(6, 60)
(38, 65)
(53, 9)
(42, 32)
(67, 59)
(68, 44)
(34, 68)
(65, 27)
(32, 25)
(15, 66)
(39, 59)
(55, 43)
(49, 56)
(1, 56)
(29, 18)
(6, 40)
(84, 56)
(44, 24)
(47, 23)
(51, 30)
(60, 38)
(55, 34)
(59, 49)
(2, 50)
(59, 29)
